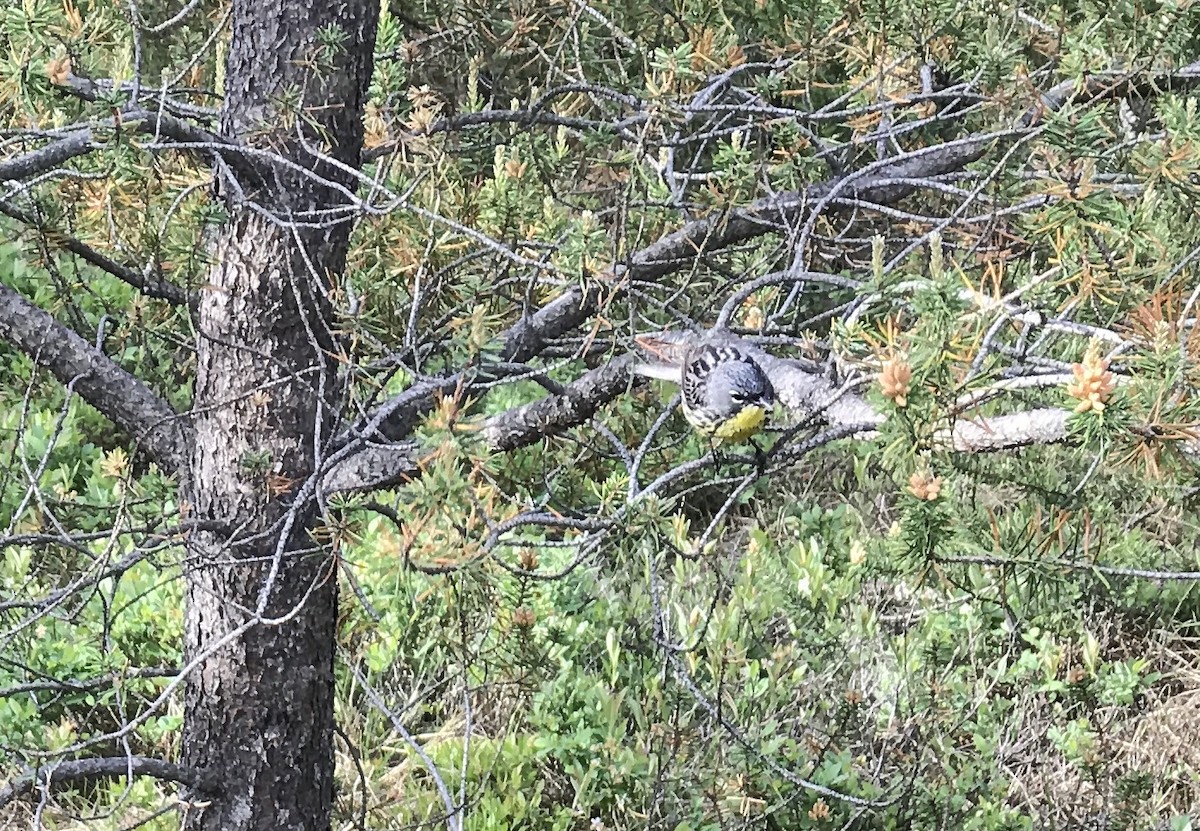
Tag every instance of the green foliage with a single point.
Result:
(889, 618)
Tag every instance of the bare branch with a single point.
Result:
(157, 288)
(385, 465)
(30, 164)
(553, 414)
(158, 122)
(124, 399)
(525, 339)
(104, 767)
(804, 394)
(372, 467)
(1112, 83)
(86, 684)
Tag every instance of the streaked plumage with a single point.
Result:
(726, 395)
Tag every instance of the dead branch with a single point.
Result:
(548, 416)
(84, 369)
(160, 289)
(105, 767)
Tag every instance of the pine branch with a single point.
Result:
(155, 122)
(84, 369)
(805, 396)
(548, 416)
(882, 183)
(160, 289)
(105, 767)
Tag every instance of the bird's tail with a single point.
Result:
(664, 355)
(665, 347)
(663, 372)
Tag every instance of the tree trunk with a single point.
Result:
(261, 595)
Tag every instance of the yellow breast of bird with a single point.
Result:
(743, 425)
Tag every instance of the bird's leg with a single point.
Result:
(760, 457)
(712, 448)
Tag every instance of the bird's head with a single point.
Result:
(742, 393)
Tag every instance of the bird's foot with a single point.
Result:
(760, 457)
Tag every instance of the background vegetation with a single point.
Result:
(592, 631)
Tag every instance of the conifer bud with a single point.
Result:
(894, 378)
(58, 70)
(524, 618)
(528, 559)
(1093, 383)
(925, 486)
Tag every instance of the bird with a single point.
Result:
(727, 396)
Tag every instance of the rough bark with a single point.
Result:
(83, 368)
(553, 414)
(262, 602)
(97, 768)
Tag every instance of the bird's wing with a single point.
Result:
(661, 371)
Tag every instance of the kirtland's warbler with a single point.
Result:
(726, 395)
